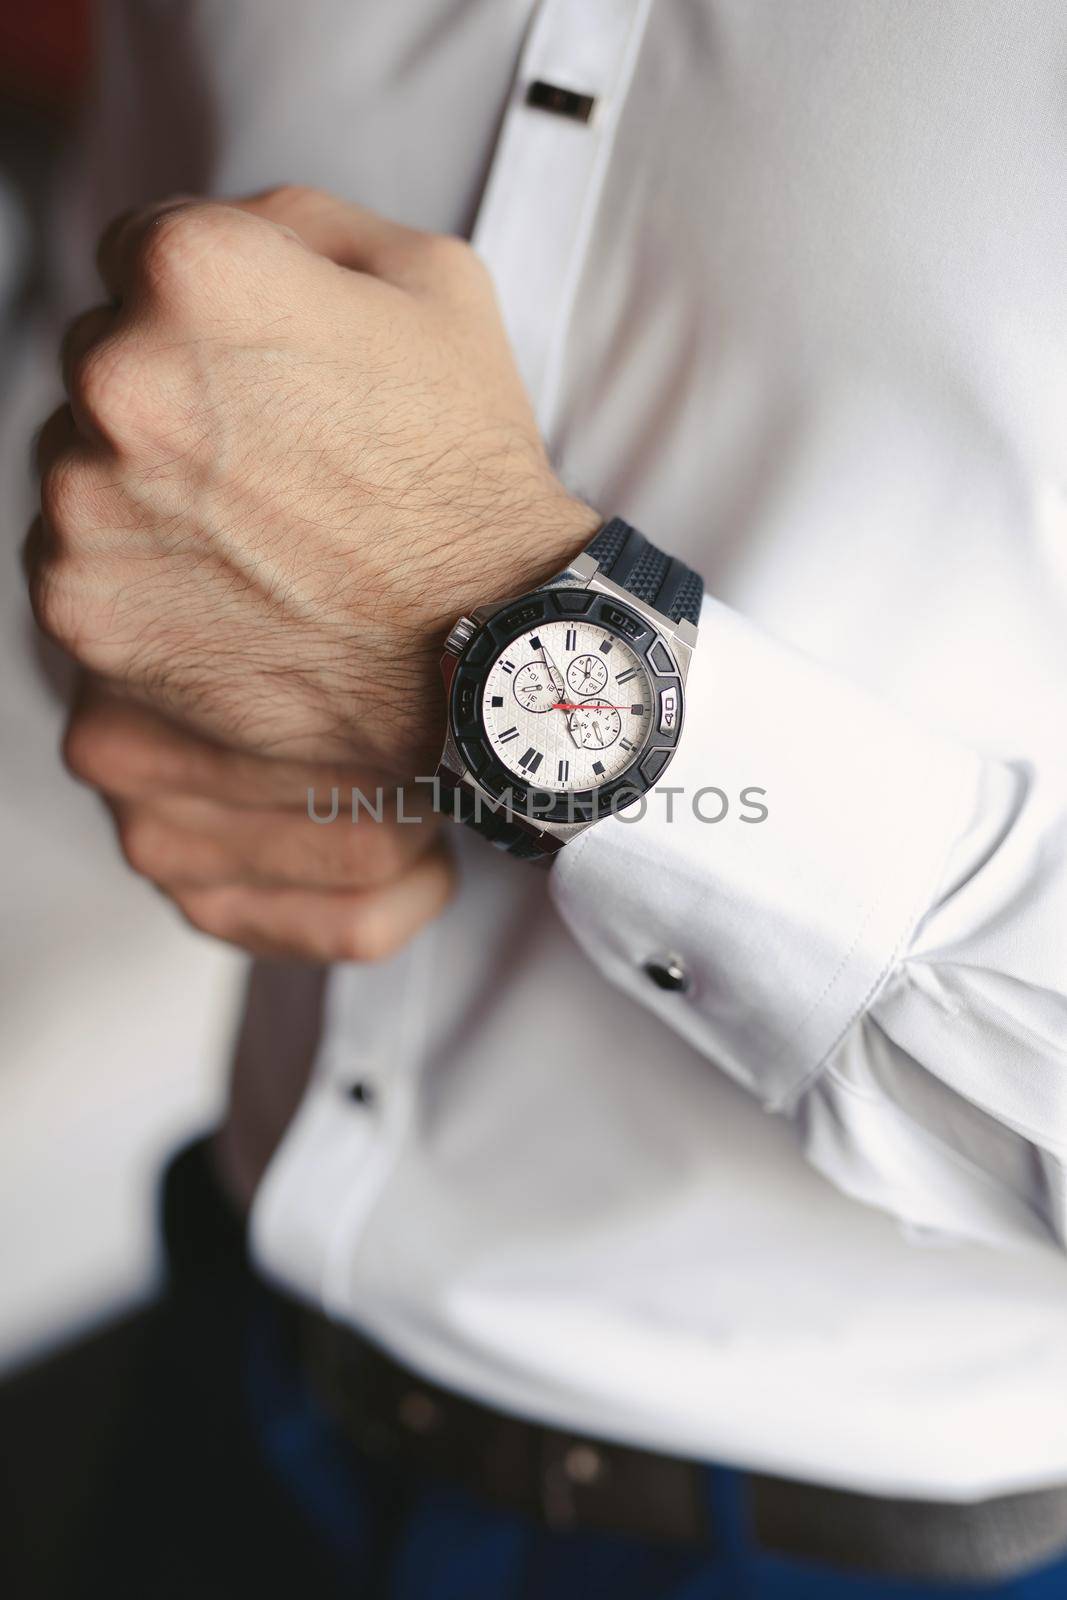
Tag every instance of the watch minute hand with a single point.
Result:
(553, 670)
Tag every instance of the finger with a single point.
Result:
(310, 925)
(93, 325)
(56, 435)
(192, 843)
(133, 753)
(116, 252)
(349, 234)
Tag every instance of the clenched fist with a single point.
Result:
(296, 448)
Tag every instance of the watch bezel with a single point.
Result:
(509, 623)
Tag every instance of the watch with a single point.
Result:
(566, 705)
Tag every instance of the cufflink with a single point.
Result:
(668, 972)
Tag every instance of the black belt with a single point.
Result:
(571, 1482)
(568, 1481)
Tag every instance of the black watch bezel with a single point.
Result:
(494, 636)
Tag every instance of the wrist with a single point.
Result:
(521, 551)
(539, 545)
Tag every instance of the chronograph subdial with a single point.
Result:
(536, 687)
(594, 726)
(587, 674)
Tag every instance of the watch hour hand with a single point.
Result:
(553, 671)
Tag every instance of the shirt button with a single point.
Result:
(668, 972)
(361, 1092)
(419, 1412)
(583, 1465)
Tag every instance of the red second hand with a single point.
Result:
(585, 705)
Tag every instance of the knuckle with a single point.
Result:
(53, 604)
(219, 912)
(85, 749)
(175, 244)
(100, 748)
(284, 200)
(144, 844)
(63, 493)
(205, 912)
(105, 382)
(40, 586)
(84, 331)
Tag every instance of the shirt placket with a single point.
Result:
(533, 231)
(536, 220)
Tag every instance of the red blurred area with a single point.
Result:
(44, 52)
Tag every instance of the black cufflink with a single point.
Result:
(668, 973)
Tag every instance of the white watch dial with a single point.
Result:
(567, 706)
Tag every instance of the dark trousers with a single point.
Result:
(129, 1465)
(180, 1454)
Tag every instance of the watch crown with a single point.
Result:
(462, 633)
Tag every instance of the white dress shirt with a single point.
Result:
(794, 303)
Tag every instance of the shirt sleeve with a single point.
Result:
(881, 958)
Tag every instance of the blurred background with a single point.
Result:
(115, 1020)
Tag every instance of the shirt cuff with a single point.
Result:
(786, 927)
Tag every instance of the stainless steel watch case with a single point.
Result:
(670, 670)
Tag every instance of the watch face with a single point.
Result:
(566, 696)
(567, 705)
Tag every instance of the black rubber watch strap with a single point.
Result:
(497, 827)
(636, 565)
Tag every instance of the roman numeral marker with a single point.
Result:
(563, 771)
(531, 760)
(572, 639)
(507, 666)
(624, 677)
(509, 733)
(624, 744)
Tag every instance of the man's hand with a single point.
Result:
(228, 838)
(296, 448)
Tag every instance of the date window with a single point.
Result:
(668, 710)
